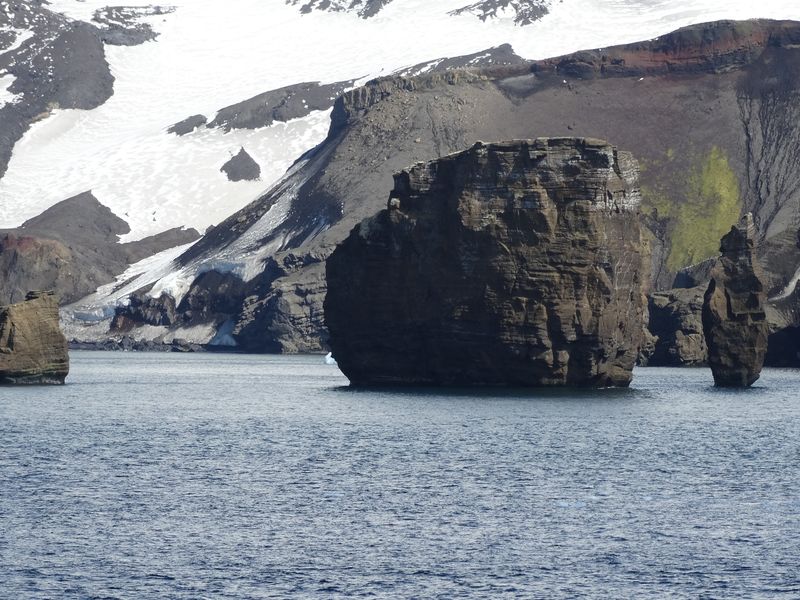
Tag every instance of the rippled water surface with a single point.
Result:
(207, 476)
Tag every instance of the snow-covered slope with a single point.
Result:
(208, 56)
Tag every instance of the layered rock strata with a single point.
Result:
(734, 319)
(514, 263)
(33, 350)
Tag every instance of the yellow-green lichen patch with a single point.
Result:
(699, 211)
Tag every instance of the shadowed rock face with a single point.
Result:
(675, 319)
(734, 320)
(32, 348)
(516, 263)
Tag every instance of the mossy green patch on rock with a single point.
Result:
(699, 211)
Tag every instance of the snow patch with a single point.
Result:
(22, 36)
(789, 289)
(102, 303)
(83, 10)
(6, 97)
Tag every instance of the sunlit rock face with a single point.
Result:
(514, 263)
(33, 350)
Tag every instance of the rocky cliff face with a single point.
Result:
(32, 348)
(515, 263)
(734, 320)
(676, 321)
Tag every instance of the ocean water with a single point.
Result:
(227, 476)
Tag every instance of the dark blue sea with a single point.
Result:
(229, 476)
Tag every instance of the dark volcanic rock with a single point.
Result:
(241, 167)
(127, 343)
(783, 349)
(364, 8)
(497, 56)
(515, 263)
(188, 125)
(676, 320)
(712, 111)
(284, 104)
(734, 320)
(288, 317)
(697, 275)
(33, 350)
(525, 11)
(143, 309)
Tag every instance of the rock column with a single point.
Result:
(734, 321)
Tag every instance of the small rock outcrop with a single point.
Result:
(33, 350)
(514, 263)
(188, 125)
(241, 167)
(734, 320)
(676, 320)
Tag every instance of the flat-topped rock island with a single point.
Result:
(515, 263)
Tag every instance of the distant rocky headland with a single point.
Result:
(33, 350)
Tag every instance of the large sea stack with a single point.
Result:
(514, 263)
(734, 320)
(33, 350)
